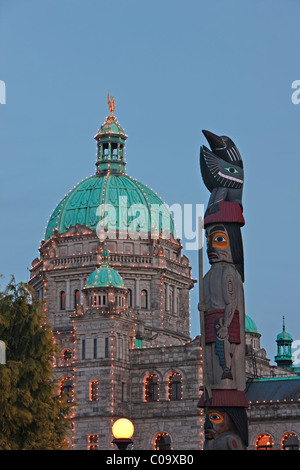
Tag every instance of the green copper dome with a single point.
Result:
(111, 196)
(105, 276)
(284, 336)
(126, 204)
(250, 326)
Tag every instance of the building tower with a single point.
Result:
(111, 227)
(104, 334)
(284, 356)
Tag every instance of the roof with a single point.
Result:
(105, 276)
(277, 389)
(127, 205)
(250, 326)
(111, 126)
(284, 336)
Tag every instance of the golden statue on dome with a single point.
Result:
(111, 105)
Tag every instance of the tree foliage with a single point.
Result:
(32, 414)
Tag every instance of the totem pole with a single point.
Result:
(221, 306)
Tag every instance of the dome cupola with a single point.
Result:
(105, 275)
(284, 341)
(111, 144)
(110, 196)
(105, 289)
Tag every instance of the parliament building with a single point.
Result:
(116, 286)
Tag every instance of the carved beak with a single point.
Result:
(215, 141)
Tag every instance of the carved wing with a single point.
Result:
(217, 172)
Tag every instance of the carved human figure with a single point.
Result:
(225, 429)
(224, 302)
(111, 105)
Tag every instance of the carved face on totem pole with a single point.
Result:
(224, 244)
(218, 247)
(225, 429)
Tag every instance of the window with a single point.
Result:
(130, 297)
(124, 391)
(76, 298)
(94, 390)
(151, 388)
(105, 149)
(114, 148)
(66, 389)
(62, 300)
(144, 299)
(264, 442)
(93, 442)
(95, 348)
(83, 349)
(162, 441)
(290, 442)
(106, 347)
(175, 386)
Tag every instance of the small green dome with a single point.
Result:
(111, 126)
(250, 326)
(284, 336)
(105, 277)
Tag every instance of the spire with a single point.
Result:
(105, 257)
(284, 341)
(111, 143)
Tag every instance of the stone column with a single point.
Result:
(137, 293)
(167, 297)
(68, 295)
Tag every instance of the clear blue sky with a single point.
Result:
(174, 68)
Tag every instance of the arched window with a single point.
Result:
(66, 388)
(162, 441)
(62, 300)
(175, 386)
(290, 441)
(151, 388)
(144, 299)
(264, 442)
(76, 298)
(130, 297)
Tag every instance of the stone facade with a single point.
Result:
(110, 363)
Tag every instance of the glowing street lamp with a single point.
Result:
(122, 430)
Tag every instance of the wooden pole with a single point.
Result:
(202, 309)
